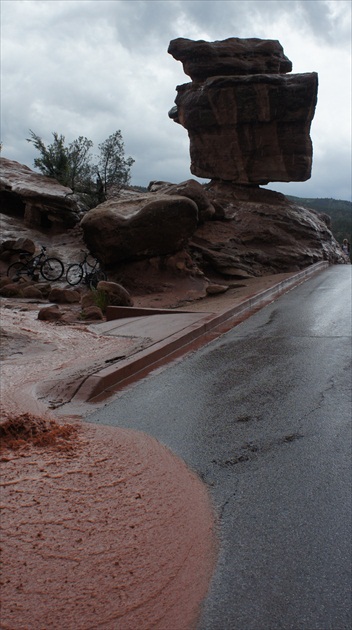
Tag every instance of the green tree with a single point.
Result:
(113, 169)
(72, 165)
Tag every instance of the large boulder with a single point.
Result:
(247, 122)
(41, 201)
(142, 227)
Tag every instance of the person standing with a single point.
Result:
(346, 247)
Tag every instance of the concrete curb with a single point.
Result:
(211, 326)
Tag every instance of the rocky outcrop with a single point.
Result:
(245, 230)
(247, 121)
(142, 227)
(261, 232)
(41, 201)
(11, 249)
(191, 189)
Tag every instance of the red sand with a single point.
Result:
(116, 534)
(111, 532)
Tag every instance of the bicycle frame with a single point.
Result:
(33, 263)
(85, 272)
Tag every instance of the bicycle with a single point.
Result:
(88, 271)
(50, 268)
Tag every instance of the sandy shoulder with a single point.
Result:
(114, 532)
(105, 529)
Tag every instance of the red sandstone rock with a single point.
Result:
(50, 313)
(264, 233)
(191, 189)
(42, 201)
(11, 249)
(232, 56)
(32, 293)
(11, 290)
(142, 227)
(92, 312)
(64, 296)
(116, 294)
(249, 124)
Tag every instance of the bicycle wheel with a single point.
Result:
(96, 277)
(52, 269)
(74, 274)
(16, 270)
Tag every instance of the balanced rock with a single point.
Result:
(40, 200)
(141, 227)
(247, 121)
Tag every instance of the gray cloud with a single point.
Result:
(82, 67)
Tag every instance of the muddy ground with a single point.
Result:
(101, 527)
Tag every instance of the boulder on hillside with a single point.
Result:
(41, 201)
(142, 227)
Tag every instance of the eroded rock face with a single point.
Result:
(232, 56)
(141, 227)
(247, 121)
(41, 201)
(191, 189)
(261, 232)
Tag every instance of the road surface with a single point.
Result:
(263, 415)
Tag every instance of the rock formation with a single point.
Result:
(248, 122)
(141, 227)
(41, 201)
(248, 231)
(257, 232)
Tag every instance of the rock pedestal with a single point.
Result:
(248, 122)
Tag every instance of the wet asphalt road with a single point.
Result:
(263, 415)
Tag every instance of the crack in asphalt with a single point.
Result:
(251, 450)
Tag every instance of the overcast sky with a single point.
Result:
(90, 67)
